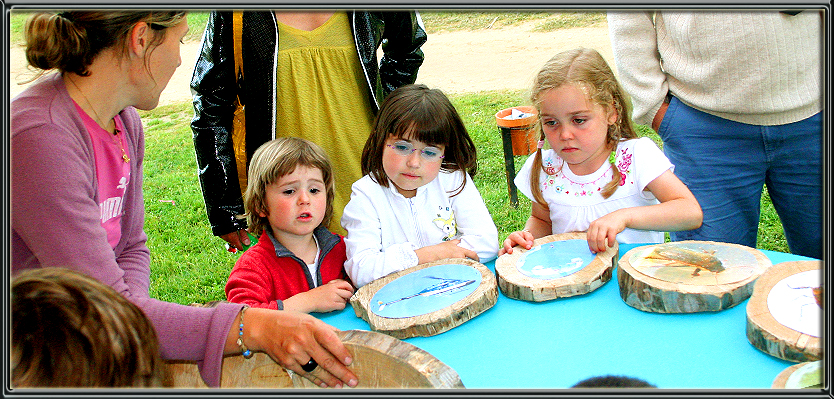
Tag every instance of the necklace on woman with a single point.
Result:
(98, 121)
(118, 142)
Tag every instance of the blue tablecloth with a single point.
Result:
(555, 344)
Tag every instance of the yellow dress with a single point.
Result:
(322, 96)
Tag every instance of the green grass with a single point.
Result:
(190, 265)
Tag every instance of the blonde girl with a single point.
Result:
(598, 175)
(417, 202)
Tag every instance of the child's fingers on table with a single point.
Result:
(524, 238)
(471, 254)
(594, 239)
(344, 293)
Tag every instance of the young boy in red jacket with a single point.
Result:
(297, 264)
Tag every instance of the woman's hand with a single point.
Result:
(324, 298)
(292, 339)
(523, 238)
(445, 250)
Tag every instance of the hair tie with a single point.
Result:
(611, 158)
(540, 144)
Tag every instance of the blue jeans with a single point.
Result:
(725, 164)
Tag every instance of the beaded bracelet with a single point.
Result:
(244, 350)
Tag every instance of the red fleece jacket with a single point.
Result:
(268, 273)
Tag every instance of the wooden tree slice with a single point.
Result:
(259, 371)
(381, 361)
(559, 275)
(784, 316)
(430, 314)
(689, 276)
(808, 375)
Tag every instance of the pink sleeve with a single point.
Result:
(55, 223)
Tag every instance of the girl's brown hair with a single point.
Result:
(426, 115)
(278, 158)
(69, 41)
(70, 330)
(586, 69)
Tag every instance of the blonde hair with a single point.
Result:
(586, 69)
(278, 158)
(69, 41)
(70, 330)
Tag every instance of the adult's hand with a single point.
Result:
(292, 339)
(658, 117)
(237, 240)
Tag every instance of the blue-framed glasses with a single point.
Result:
(404, 148)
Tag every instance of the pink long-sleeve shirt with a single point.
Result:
(55, 218)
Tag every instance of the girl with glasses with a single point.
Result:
(416, 202)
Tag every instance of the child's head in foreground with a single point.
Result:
(583, 113)
(290, 187)
(70, 330)
(613, 381)
(417, 130)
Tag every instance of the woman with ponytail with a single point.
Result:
(598, 175)
(77, 153)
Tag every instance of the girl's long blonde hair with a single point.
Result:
(586, 69)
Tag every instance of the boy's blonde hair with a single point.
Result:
(70, 330)
(274, 160)
(586, 69)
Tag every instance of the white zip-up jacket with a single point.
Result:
(384, 228)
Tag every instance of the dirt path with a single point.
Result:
(456, 62)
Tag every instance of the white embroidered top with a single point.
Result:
(575, 201)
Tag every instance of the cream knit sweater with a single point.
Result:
(755, 67)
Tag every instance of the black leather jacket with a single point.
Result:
(401, 34)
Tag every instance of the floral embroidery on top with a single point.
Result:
(582, 189)
(623, 165)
